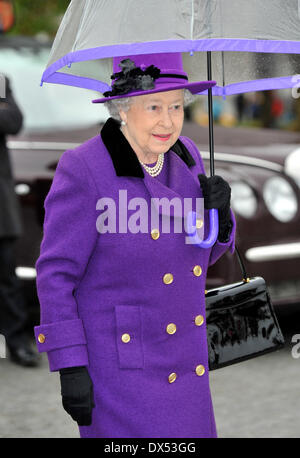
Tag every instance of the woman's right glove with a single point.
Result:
(77, 394)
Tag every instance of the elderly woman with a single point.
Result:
(123, 307)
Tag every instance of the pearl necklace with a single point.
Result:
(154, 171)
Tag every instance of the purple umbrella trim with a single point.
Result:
(52, 75)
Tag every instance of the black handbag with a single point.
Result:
(241, 323)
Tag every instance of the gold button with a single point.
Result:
(171, 328)
(155, 234)
(200, 370)
(172, 377)
(168, 278)
(199, 223)
(41, 338)
(197, 271)
(125, 338)
(199, 320)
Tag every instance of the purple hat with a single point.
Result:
(148, 73)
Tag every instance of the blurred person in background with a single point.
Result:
(240, 104)
(13, 315)
(271, 109)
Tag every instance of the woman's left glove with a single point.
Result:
(217, 193)
(77, 394)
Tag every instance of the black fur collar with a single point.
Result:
(124, 158)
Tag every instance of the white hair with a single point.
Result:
(114, 106)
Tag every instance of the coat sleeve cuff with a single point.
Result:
(65, 343)
(61, 334)
(230, 242)
(68, 357)
(220, 248)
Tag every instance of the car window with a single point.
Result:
(52, 105)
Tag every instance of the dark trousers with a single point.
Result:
(12, 304)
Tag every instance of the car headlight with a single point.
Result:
(292, 165)
(22, 189)
(243, 200)
(280, 199)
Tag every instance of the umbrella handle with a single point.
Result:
(213, 229)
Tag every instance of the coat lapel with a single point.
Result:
(182, 182)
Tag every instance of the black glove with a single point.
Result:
(216, 193)
(77, 394)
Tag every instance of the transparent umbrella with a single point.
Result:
(243, 45)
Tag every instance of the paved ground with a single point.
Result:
(258, 398)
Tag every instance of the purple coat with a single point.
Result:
(95, 288)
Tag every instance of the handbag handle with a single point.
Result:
(242, 266)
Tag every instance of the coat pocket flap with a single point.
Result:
(129, 336)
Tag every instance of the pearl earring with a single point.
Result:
(123, 123)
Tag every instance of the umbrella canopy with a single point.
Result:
(250, 45)
(255, 45)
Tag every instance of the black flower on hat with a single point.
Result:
(132, 78)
